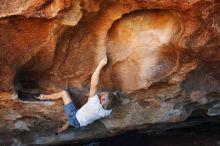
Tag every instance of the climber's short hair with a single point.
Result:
(111, 100)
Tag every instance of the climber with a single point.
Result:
(99, 105)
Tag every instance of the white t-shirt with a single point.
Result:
(91, 111)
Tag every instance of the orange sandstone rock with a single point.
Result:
(163, 55)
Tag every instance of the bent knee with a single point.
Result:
(64, 93)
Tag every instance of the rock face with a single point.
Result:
(164, 62)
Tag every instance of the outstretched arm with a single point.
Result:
(95, 77)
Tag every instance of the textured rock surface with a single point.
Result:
(163, 55)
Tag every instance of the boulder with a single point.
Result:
(163, 62)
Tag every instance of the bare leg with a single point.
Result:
(64, 95)
(63, 128)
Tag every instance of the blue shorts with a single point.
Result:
(70, 111)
